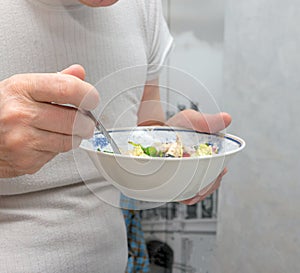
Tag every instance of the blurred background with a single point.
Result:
(246, 54)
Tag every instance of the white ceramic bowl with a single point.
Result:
(158, 179)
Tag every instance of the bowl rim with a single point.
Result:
(227, 136)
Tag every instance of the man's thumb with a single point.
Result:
(75, 70)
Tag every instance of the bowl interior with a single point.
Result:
(148, 136)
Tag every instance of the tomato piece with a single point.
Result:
(185, 154)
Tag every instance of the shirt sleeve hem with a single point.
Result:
(155, 69)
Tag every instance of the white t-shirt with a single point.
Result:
(51, 221)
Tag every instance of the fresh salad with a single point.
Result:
(174, 149)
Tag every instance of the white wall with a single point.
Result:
(197, 27)
(259, 215)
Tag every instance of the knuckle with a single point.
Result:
(19, 83)
(15, 142)
(12, 83)
(32, 116)
(18, 151)
(63, 85)
(13, 112)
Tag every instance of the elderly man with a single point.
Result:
(49, 219)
